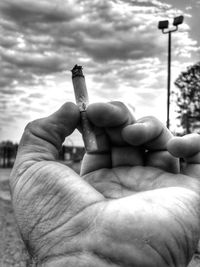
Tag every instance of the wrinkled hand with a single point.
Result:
(131, 206)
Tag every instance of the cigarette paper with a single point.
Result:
(82, 101)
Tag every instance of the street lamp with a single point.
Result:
(163, 25)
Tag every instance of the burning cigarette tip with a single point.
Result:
(77, 71)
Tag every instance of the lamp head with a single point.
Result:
(163, 24)
(178, 20)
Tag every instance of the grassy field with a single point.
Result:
(12, 249)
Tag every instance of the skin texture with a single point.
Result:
(131, 206)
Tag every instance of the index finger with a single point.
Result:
(110, 118)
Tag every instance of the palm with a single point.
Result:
(164, 214)
(124, 181)
(131, 209)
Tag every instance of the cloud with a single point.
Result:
(36, 95)
(116, 41)
(25, 100)
(49, 35)
(42, 11)
(36, 62)
(11, 91)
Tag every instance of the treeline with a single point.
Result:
(8, 152)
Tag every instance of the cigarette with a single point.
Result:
(82, 101)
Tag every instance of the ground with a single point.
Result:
(12, 249)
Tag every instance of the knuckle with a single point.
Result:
(30, 125)
(118, 104)
(150, 118)
(33, 125)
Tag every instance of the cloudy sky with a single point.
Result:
(123, 53)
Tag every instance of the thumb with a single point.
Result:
(39, 148)
(42, 139)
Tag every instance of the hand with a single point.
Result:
(131, 207)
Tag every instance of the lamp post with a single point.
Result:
(163, 25)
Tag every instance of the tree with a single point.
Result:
(188, 98)
(8, 152)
